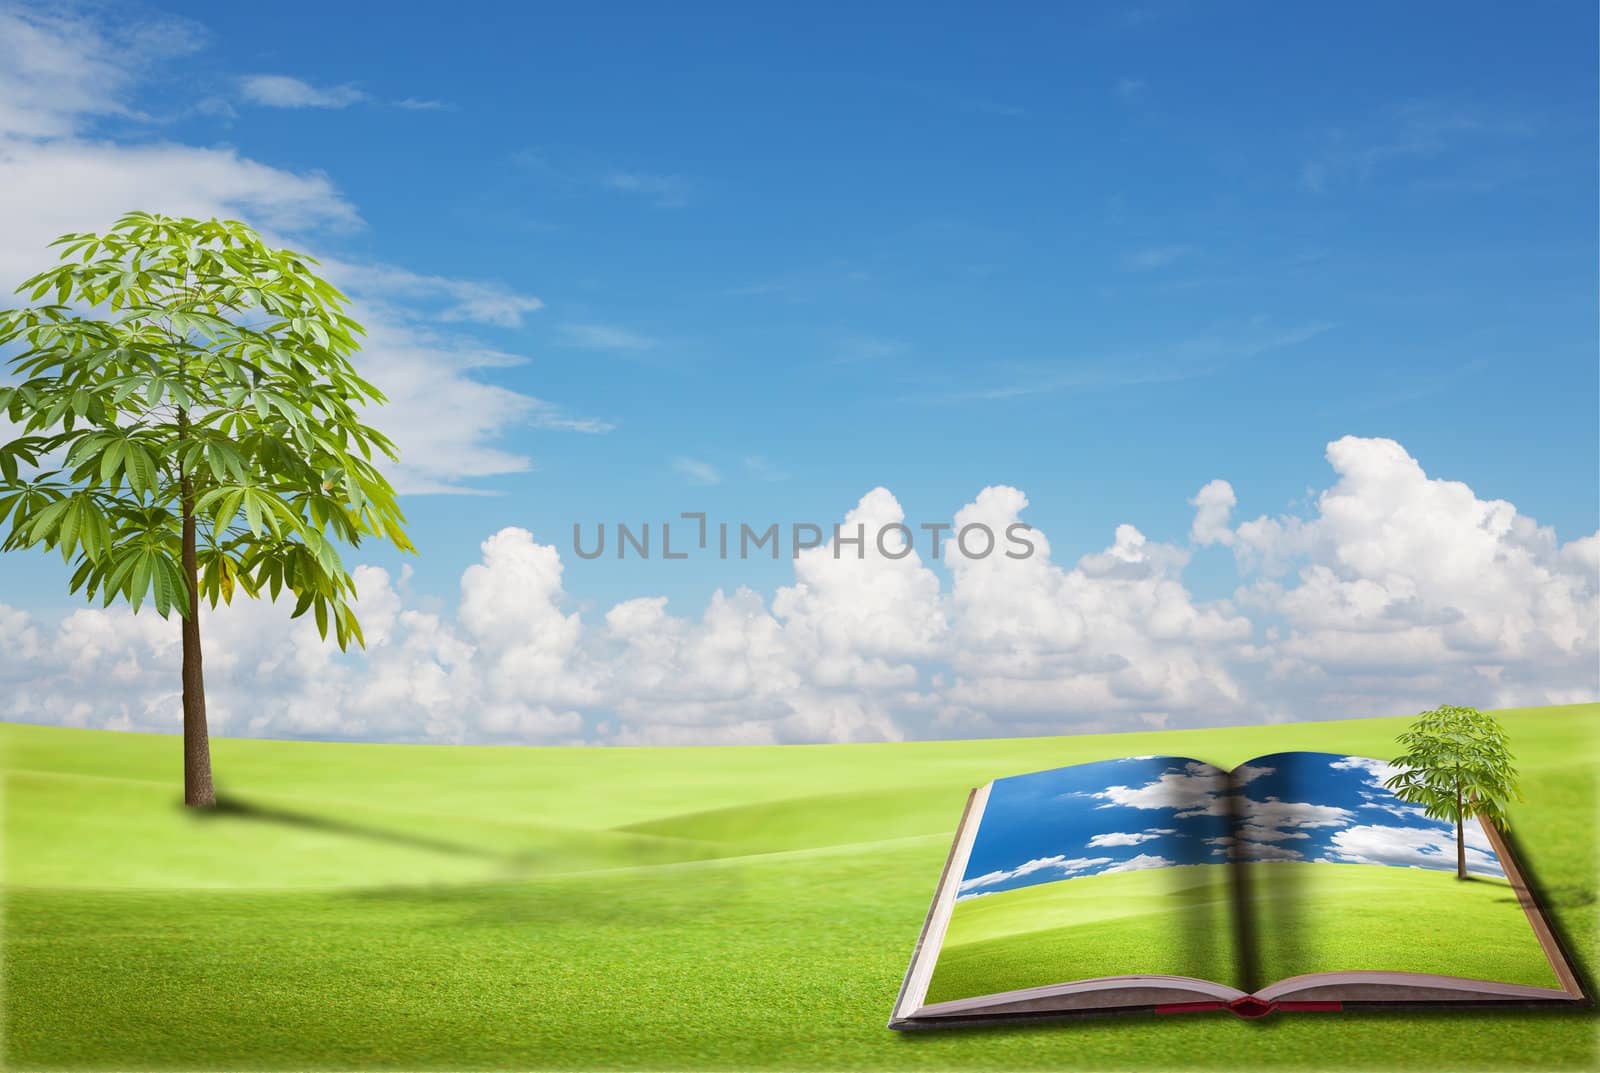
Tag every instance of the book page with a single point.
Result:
(1096, 870)
(1341, 875)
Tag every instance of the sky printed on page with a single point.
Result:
(1160, 812)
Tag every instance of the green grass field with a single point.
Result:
(1308, 917)
(425, 907)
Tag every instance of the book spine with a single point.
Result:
(1250, 1008)
(1188, 1007)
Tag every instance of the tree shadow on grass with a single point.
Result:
(514, 862)
(568, 902)
(233, 808)
(516, 897)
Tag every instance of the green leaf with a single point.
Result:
(272, 405)
(68, 530)
(252, 511)
(46, 522)
(111, 458)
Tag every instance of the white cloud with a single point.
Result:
(472, 301)
(1378, 772)
(1269, 820)
(1412, 847)
(58, 69)
(283, 91)
(1196, 790)
(1117, 633)
(1059, 864)
(856, 648)
(606, 337)
(548, 415)
(1380, 798)
(50, 187)
(1411, 588)
(697, 471)
(1213, 506)
(1126, 838)
(1140, 863)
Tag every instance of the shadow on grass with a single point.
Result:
(1117, 1021)
(1548, 899)
(515, 898)
(582, 906)
(231, 808)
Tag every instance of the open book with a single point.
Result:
(1162, 884)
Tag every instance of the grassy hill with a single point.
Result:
(754, 908)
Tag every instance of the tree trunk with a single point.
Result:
(197, 790)
(1461, 844)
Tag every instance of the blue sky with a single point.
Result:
(869, 222)
(1162, 812)
(623, 263)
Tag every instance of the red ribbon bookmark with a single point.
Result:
(1248, 1007)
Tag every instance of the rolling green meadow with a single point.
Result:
(440, 907)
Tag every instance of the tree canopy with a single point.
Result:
(1457, 764)
(184, 370)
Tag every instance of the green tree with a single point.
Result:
(1456, 765)
(190, 425)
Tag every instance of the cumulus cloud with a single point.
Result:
(1127, 838)
(866, 643)
(1213, 506)
(1116, 633)
(1412, 587)
(1412, 847)
(1194, 790)
(1273, 815)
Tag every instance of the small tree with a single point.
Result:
(190, 422)
(1456, 765)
